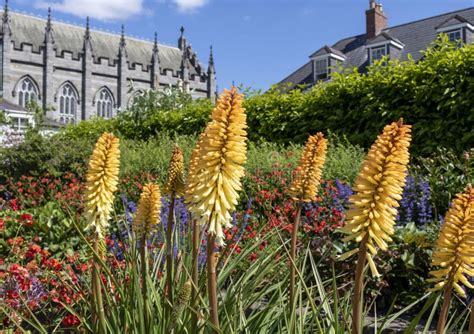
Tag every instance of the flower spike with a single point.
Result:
(148, 211)
(308, 173)
(378, 188)
(219, 167)
(175, 181)
(101, 183)
(454, 252)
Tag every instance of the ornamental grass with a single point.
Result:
(371, 217)
(454, 254)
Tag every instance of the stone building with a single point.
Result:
(75, 73)
(379, 40)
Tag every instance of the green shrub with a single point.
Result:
(434, 95)
(447, 174)
(38, 155)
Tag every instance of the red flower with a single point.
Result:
(2, 224)
(253, 256)
(70, 321)
(26, 219)
(306, 228)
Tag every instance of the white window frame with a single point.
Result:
(455, 31)
(67, 104)
(105, 103)
(377, 48)
(16, 123)
(321, 72)
(27, 92)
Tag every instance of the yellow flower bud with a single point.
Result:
(148, 211)
(308, 173)
(175, 181)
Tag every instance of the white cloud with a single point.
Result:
(190, 5)
(106, 10)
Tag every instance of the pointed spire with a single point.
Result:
(182, 40)
(6, 29)
(49, 29)
(155, 53)
(87, 35)
(211, 69)
(122, 50)
(88, 28)
(155, 43)
(122, 36)
(5, 12)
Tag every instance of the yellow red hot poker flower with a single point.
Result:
(308, 173)
(101, 183)
(454, 252)
(148, 210)
(175, 181)
(219, 167)
(378, 188)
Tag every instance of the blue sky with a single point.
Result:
(256, 42)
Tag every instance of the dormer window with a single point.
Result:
(321, 69)
(378, 53)
(324, 61)
(454, 35)
(457, 28)
(383, 45)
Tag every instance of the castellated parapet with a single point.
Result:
(76, 73)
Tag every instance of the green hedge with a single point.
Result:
(435, 95)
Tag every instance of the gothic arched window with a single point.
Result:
(27, 92)
(105, 103)
(67, 99)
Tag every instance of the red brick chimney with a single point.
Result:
(376, 21)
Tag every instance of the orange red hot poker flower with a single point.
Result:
(378, 188)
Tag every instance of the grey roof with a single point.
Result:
(382, 37)
(70, 38)
(415, 36)
(7, 105)
(456, 19)
(327, 50)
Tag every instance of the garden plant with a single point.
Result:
(229, 244)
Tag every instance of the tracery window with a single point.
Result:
(27, 92)
(104, 103)
(67, 104)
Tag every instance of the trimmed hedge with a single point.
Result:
(435, 95)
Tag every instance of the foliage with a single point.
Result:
(447, 174)
(38, 155)
(432, 94)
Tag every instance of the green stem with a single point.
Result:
(359, 287)
(294, 240)
(99, 305)
(471, 319)
(169, 249)
(212, 283)
(443, 315)
(195, 275)
(143, 263)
